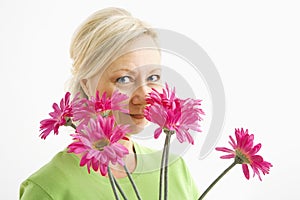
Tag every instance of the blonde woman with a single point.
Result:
(111, 51)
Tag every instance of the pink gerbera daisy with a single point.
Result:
(173, 114)
(59, 117)
(99, 105)
(98, 144)
(245, 153)
(167, 98)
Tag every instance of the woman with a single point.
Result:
(112, 51)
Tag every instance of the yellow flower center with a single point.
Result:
(241, 157)
(100, 144)
(168, 131)
(105, 113)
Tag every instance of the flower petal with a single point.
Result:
(245, 170)
(243, 148)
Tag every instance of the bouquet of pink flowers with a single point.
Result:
(97, 135)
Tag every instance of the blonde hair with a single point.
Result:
(98, 41)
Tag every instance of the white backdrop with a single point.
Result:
(255, 46)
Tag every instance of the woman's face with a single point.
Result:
(133, 74)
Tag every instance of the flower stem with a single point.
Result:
(217, 179)
(69, 122)
(120, 189)
(112, 183)
(168, 137)
(163, 178)
(132, 183)
(73, 126)
(161, 174)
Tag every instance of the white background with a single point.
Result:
(255, 46)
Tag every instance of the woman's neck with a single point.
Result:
(129, 160)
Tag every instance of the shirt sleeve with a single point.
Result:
(193, 186)
(32, 191)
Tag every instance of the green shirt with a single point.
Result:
(63, 179)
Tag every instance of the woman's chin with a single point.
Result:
(136, 122)
(138, 125)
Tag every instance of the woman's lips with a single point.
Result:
(137, 116)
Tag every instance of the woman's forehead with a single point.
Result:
(146, 59)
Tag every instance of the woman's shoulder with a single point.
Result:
(57, 167)
(52, 176)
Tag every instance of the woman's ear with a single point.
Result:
(84, 86)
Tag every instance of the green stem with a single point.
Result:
(168, 137)
(112, 183)
(120, 189)
(132, 183)
(161, 174)
(217, 179)
(163, 177)
(73, 126)
(70, 123)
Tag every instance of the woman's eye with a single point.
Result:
(123, 80)
(153, 78)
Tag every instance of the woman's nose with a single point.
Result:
(139, 95)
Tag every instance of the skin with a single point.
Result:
(133, 74)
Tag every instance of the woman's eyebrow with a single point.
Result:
(155, 70)
(125, 70)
